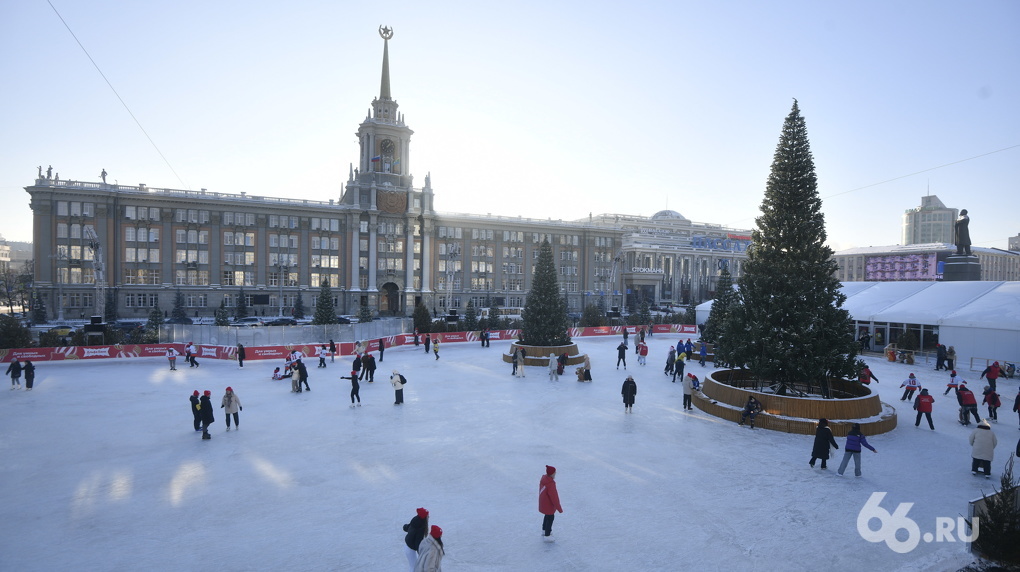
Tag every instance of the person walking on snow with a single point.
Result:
(621, 355)
(196, 412)
(171, 356)
(982, 443)
(688, 386)
(993, 402)
(398, 382)
(823, 439)
(923, 404)
(14, 370)
(950, 357)
(940, 356)
(206, 413)
(231, 405)
(911, 384)
(628, 391)
(355, 388)
(431, 552)
(854, 441)
(548, 501)
(415, 530)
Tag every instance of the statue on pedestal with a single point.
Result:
(963, 234)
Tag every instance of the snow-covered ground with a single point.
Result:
(101, 470)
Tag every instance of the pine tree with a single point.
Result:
(644, 314)
(795, 330)
(724, 298)
(13, 334)
(545, 312)
(470, 317)
(325, 313)
(422, 319)
(111, 306)
(152, 326)
(38, 309)
(299, 307)
(365, 314)
(999, 523)
(241, 309)
(593, 316)
(178, 312)
(222, 315)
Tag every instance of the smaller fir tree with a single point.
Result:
(725, 297)
(178, 312)
(325, 313)
(365, 313)
(13, 334)
(152, 326)
(470, 317)
(222, 314)
(241, 309)
(38, 309)
(593, 316)
(299, 307)
(422, 319)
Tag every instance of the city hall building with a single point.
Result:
(381, 245)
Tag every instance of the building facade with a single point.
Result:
(919, 262)
(381, 245)
(931, 222)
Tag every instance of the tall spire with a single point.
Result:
(384, 89)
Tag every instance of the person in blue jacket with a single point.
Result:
(854, 441)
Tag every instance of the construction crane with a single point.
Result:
(617, 260)
(98, 269)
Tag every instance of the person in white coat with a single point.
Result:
(554, 374)
(688, 385)
(431, 552)
(231, 405)
(398, 382)
(982, 445)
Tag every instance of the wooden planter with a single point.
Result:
(856, 404)
(539, 355)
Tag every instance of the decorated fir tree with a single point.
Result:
(178, 313)
(545, 312)
(325, 313)
(793, 327)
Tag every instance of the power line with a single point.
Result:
(114, 90)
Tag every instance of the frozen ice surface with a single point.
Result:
(101, 470)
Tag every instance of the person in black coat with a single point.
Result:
(382, 349)
(368, 365)
(240, 355)
(357, 364)
(205, 412)
(14, 370)
(29, 371)
(355, 388)
(195, 412)
(621, 355)
(428, 342)
(415, 530)
(629, 391)
(302, 375)
(823, 438)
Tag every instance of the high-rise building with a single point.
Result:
(382, 244)
(929, 223)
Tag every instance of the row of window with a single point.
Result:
(75, 208)
(65, 230)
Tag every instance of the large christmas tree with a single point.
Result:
(794, 329)
(545, 311)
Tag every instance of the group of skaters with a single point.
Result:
(433, 343)
(965, 398)
(15, 369)
(190, 353)
(202, 410)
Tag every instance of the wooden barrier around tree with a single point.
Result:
(539, 355)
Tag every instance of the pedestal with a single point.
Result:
(961, 267)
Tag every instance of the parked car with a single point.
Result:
(185, 320)
(129, 325)
(248, 322)
(282, 322)
(62, 329)
(346, 320)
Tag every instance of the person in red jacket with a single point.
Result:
(992, 401)
(969, 404)
(548, 500)
(922, 404)
(992, 373)
(865, 376)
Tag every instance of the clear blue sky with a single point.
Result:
(541, 109)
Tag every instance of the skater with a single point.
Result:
(302, 375)
(398, 381)
(911, 385)
(435, 347)
(548, 501)
(628, 391)
(689, 349)
(358, 363)
(670, 360)
(950, 357)
(29, 371)
(983, 443)
(196, 412)
(992, 373)
(696, 384)
(416, 337)
(206, 413)
(368, 368)
(823, 439)
(554, 373)
(515, 361)
(923, 404)
(171, 356)
(865, 376)
(969, 404)
(751, 409)
(625, 334)
(190, 351)
(854, 441)
(520, 354)
(332, 351)
(561, 363)
(415, 534)
(428, 342)
(703, 354)
(240, 356)
(430, 552)
(954, 382)
(14, 370)
(940, 356)
(277, 376)
(382, 349)
(587, 368)
(678, 368)
(688, 387)
(355, 388)
(1016, 406)
(231, 405)
(323, 353)
(991, 400)
(642, 357)
(621, 355)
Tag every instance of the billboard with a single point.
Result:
(899, 267)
